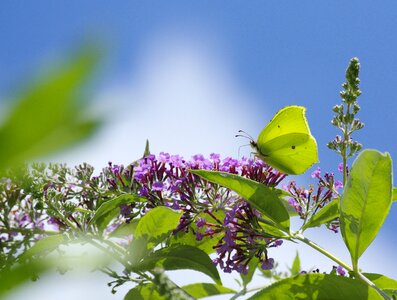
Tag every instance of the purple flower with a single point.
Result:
(340, 167)
(278, 243)
(242, 268)
(175, 205)
(158, 186)
(295, 204)
(199, 236)
(175, 186)
(229, 165)
(209, 232)
(338, 184)
(143, 191)
(39, 224)
(199, 161)
(200, 222)
(125, 210)
(24, 219)
(164, 157)
(292, 202)
(111, 228)
(177, 161)
(141, 170)
(340, 271)
(268, 264)
(317, 173)
(216, 158)
(116, 169)
(55, 223)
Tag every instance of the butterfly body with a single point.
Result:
(286, 142)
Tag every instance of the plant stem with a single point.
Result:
(346, 136)
(305, 240)
(358, 274)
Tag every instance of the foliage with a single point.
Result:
(206, 214)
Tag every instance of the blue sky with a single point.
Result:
(209, 68)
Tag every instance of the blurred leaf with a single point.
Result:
(48, 243)
(326, 214)
(50, 115)
(143, 292)
(180, 257)
(166, 287)
(265, 199)
(19, 274)
(202, 290)
(317, 287)
(296, 265)
(365, 201)
(110, 209)
(157, 224)
(394, 194)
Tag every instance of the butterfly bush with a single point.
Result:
(56, 198)
(217, 212)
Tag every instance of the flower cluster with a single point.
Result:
(243, 240)
(209, 211)
(308, 202)
(59, 198)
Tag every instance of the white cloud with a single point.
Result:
(181, 97)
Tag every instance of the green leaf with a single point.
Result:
(157, 224)
(202, 290)
(147, 149)
(291, 210)
(246, 278)
(189, 238)
(271, 231)
(317, 287)
(365, 201)
(296, 265)
(125, 229)
(48, 243)
(166, 287)
(143, 292)
(180, 257)
(383, 282)
(110, 209)
(207, 243)
(326, 214)
(395, 194)
(265, 199)
(50, 115)
(19, 274)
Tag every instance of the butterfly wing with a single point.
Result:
(292, 153)
(290, 119)
(286, 142)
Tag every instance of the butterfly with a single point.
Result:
(286, 142)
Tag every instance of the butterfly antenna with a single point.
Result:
(239, 148)
(244, 135)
